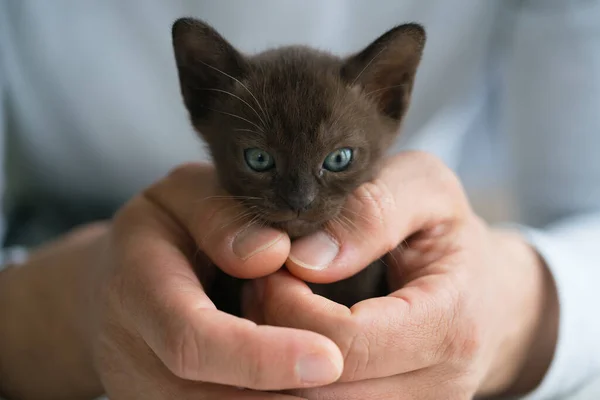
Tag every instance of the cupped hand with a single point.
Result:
(119, 307)
(471, 310)
(159, 333)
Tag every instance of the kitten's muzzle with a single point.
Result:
(295, 224)
(299, 202)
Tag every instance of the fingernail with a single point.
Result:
(314, 252)
(253, 240)
(317, 369)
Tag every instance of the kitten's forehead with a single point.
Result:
(297, 87)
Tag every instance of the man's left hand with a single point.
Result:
(472, 310)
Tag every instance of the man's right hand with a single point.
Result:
(128, 301)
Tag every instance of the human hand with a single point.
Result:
(472, 310)
(133, 313)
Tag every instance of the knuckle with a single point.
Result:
(253, 368)
(469, 342)
(212, 215)
(115, 294)
(131, 218)
(357, 356)
(183, 170)
(463, 337)
(276, 312)
(376, 204)
(435, 171)
(253, 373)
(122, 217)
(433, 167)
(182, 355)
(426, 160)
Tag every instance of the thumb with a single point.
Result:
(414, 192)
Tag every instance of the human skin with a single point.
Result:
(472, 310)
(118, 306)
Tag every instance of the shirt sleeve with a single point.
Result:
(551, 111)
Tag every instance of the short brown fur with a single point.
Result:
(299, 105)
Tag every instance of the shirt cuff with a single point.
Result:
(12, 256)
(576, 274)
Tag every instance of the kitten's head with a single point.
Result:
(294, 130)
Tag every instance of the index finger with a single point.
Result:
(380, 337)
(220, 224)
(161, 300)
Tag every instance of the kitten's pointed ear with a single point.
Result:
(386, 69)
(207, 64)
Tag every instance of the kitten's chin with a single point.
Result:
(298, 227)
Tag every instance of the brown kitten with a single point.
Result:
(295, 130)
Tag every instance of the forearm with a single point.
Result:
(539, 351)
(525, 355)
(43, 351)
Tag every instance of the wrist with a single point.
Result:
(43, 352)
(530, 327)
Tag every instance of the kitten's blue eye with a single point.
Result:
(338, 160)
(259, 160)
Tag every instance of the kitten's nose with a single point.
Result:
(298, 201)
(298, 191)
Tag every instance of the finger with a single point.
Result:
(413, 192)
(221, 225)
(381, 337)
(252, 304)
(163, 300)
(128, 376)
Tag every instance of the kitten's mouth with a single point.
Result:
(294, 221)
(296, 226)
(299, 227)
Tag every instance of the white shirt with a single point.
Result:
(94, 114)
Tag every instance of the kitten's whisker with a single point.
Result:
(385, 88)
(359, 99)
(382, 259)
(342, 223)
(364, 218)
(343, 114)
(396, 262)
(367, 66)
(240, 99)
(354, 227)
(248, 212)
(243, 215)
(336, 98)
(337, 104)
(265, 95)
(336, 220)
(263, 222)
(387, 201)
(252, 222)
(227, 197)
(236, 116)
(249, 130)
(237, 218)
(235, 205)
(231, 206)
(347, 111)
(238, 81)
